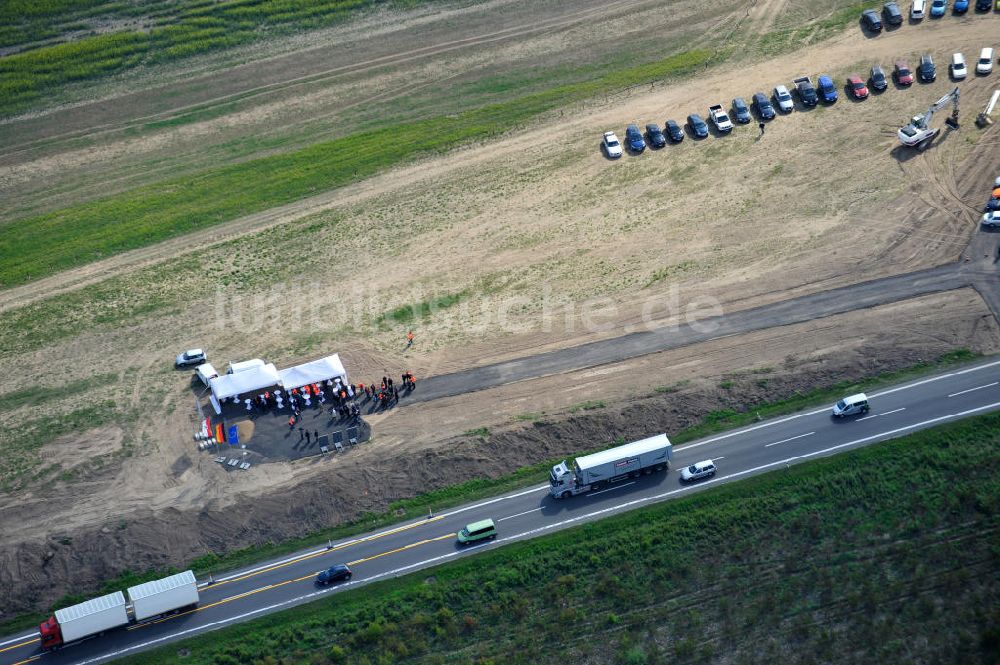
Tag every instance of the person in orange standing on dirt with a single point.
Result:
(409, 339)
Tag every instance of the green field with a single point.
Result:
(886, 554)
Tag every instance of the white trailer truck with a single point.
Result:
(111, 611)
(592, 472)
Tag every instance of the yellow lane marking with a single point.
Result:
(341, 546)
(16, 646)
(404, 547)
(22, 662)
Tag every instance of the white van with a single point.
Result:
(205, 372)
(917, 10)
(985, 63)
(851, 406)
(243, 366)
(958, 70)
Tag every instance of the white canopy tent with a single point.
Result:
(247, 381)
(316, 371)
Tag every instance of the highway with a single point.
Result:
(765, 446)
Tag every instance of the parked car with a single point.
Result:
(190, 358)
(807, 93)
(902, 74)
(741, 111)
(957, 67)
(857, 87)
(871, 21)
(878, 78)
(926, 69)
(983, 5)
(892, 13)
(333, 574)
(783, 98)
(992, 219)
(851, 406)
(698, 126)
(612, 146)
(985, 63)
(655, 136)
(633, 139)
(674, 131)
(698, 470)
(917, 10)
(827, 90)
(960, 6)
(765, 111)
(938, 7)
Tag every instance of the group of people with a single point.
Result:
(385, 394)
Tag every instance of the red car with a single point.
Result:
(902, 73)
(857, 86)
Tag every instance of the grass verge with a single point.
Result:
(35, 247)
(855, 558)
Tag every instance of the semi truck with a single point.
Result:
(98, 615)
(593, 472)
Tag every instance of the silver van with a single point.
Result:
(851, 406)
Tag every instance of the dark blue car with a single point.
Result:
(633, 139)
(674, 131)
(698, 126)
(741, 111)
(827, 89)
(334, 574)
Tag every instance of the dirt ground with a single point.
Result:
(529, 227)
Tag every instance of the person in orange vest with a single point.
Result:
(409, 339)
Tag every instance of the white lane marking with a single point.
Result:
(827, 408)
(611, 489)
(510, 517)
(791, 438)
(18, 639)
(962, 392)
(718, 458)
(548, 527)
(876, 415)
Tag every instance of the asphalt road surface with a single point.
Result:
(766, 446)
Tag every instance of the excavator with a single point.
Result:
(919, 133)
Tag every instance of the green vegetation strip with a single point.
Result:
(34, 247)
(859, 554)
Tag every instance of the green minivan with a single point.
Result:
(481, 530)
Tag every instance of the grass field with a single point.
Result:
(38, 246)
(883, 554)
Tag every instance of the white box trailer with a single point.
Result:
(87, 618)
(592, 472)
(161, 596)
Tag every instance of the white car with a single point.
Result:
(992, 219)
(783, 98)
(985, 63)
(917, 9)
(612, 146)
(698, 470)
(190, 357)
(958, 69)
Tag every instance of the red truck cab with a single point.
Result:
(50, 633)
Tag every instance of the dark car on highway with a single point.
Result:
(698, 126)
(633, 139)
(926, 69)
(674, 131)
(334, 574)
(878, 78)
(741, 112)
(765, 110)
(893, 16)
(655, 136)
(871, 20)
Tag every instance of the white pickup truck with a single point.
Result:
(720, 118)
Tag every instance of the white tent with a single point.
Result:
(247, 381)
(316, 371)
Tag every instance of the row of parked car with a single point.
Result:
(893, 15)
(781, 99)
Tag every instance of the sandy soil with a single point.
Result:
(824, 199)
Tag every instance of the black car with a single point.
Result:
(698, 126)
(741, 111)
(655, 136)
(334, 574)
(807, 93)
(870, 19)
(926, 70)
(764, 107)
(674, 131)
(983, 5)
(893, 16)
(878, 79)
